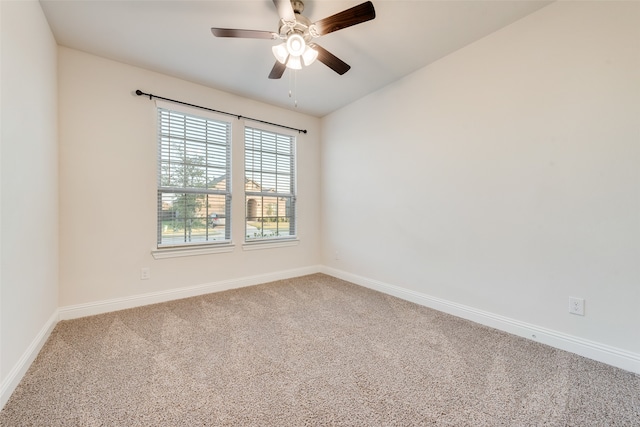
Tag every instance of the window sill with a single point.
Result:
(269, 244)
(191, 251)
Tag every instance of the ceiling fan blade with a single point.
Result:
(285, 10)
(245, 34)
(356, 15)
(330, 60)
(277, 71)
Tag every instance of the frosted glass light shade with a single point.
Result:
(280, 52)
(294, 63)
(309, 56)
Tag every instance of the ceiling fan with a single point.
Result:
(297, 33)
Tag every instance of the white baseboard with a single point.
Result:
(81, 310)
(99, 307)
(15, 375)
(593, 350)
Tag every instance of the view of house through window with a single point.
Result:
(269, 185)
(194, 192)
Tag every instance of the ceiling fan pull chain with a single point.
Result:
(295, 88)
(293, 92)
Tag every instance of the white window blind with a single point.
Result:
(194, 179)
(270, 193)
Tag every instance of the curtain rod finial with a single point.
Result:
(139, 93)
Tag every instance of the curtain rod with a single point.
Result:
(140, 93)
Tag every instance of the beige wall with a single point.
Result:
(513, 182)
(505, 177)
(108, 184)
(29, 188)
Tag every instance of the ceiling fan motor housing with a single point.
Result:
(302, 25)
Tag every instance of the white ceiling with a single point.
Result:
(174, 37)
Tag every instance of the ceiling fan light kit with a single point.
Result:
(295, 44)
(297, 32)
(291, 56)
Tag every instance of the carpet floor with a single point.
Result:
(310, 351)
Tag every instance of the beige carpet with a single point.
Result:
(311, 351)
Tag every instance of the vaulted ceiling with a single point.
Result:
(174, 37)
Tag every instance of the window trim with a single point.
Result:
(182, 251)
(278, 241)
(270, 244)
(194, 248)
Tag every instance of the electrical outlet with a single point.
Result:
(576, 306)
(145, 273)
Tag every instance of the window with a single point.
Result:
(194, 174)
(269, 185)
